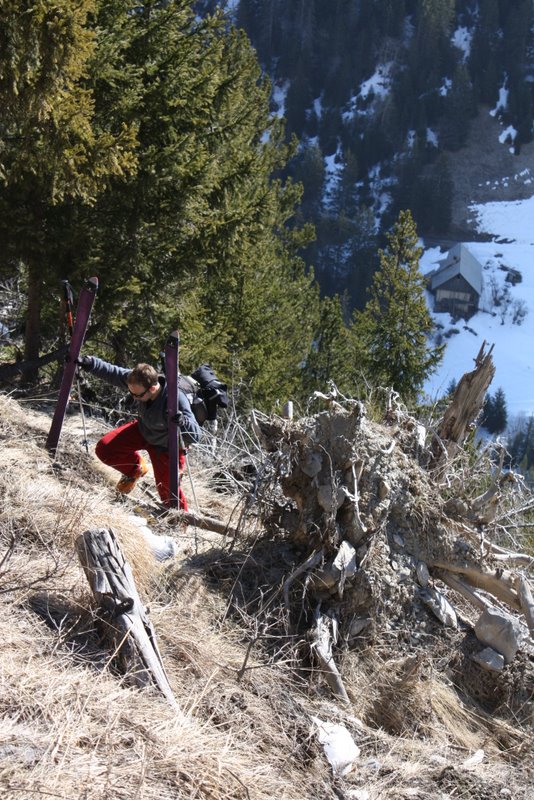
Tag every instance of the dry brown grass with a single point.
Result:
(71, 729)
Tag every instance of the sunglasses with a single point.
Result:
(138, 396)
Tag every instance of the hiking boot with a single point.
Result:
(126, 484)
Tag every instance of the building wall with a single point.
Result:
(457, 297)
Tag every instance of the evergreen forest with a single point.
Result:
(381, 94)
(179, 152)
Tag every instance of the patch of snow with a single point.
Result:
(377, 187)
(461, 39)
(432, 138)
(508, 135)
(446, 87)
(279, 95)
(333, 166)
(379, 83)
(502, 102)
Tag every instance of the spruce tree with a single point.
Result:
(53, 153)
(329, 356)
(391, 334)
(199, 238)
(495, 414)
(459, 109)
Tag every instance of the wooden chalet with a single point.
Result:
(457, 283)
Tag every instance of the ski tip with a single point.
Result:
(92, 283)
(174, 338)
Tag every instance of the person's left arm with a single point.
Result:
(189, 427)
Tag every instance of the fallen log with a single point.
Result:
(194, 519)
(206, 523)
(123, 617)
(466, 591)
(20, 367)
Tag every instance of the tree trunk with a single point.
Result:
(32, 335)
(465, 406)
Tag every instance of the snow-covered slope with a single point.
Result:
(511, 226)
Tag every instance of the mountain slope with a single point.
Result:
(253, 721)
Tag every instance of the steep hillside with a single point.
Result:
(256, 715)
(485, 170)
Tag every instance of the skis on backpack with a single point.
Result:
(172, 347)
(78, 330)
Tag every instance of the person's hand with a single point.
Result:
(85, 362)
(178, 418)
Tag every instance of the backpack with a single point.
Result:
(205, 392)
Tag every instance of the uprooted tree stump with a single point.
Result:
(124, 625)
(384, 515)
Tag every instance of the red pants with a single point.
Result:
(120, 449)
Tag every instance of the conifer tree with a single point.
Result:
(199, 238)
(329, 357)
(459, 109)
(52, 151)
(495, 414)
(485, 50)
(391, 334)
(308, 169)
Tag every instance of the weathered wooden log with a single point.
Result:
(507, 556)
(195, 519)
(462, 588)
(501, 584)
(124, 619)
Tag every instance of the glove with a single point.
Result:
(178, 418)
(85, 362)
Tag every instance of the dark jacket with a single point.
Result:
(153, 417)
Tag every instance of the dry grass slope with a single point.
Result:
(73, 729)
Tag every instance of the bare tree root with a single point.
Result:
(379, 518)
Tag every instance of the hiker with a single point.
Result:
(120, 447)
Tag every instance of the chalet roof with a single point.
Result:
(459, 261)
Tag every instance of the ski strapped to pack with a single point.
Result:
(77, 329)
(172, 348)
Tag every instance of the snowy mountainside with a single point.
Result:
(511, 249)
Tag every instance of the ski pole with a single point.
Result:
(190, 474)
